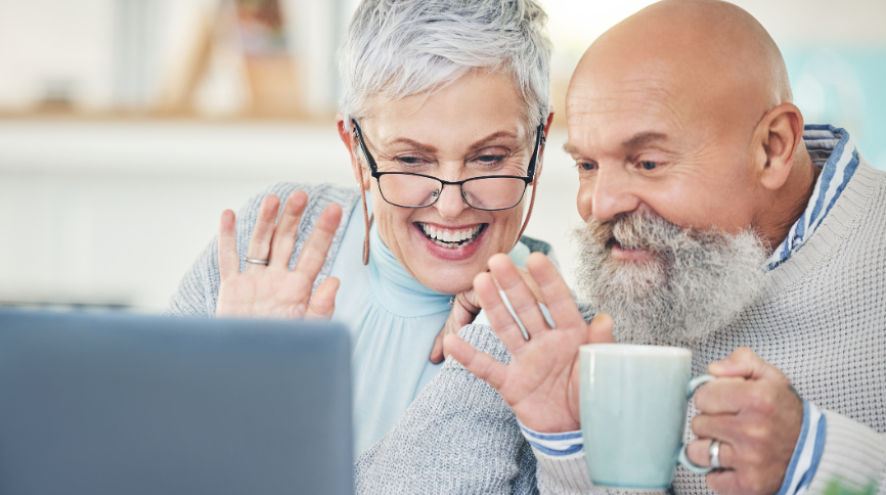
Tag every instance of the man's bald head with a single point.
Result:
(700, 50)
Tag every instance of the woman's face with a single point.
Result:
(471, 128)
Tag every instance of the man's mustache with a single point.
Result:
(635, 230)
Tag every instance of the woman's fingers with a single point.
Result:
(314, 252)
(500, 318)
(522, 300)
(228, 261)
(260, 243)
(322, 304)
(557, 296)
(283, 240)
(464, 311)
(482, 365)
(437, 356)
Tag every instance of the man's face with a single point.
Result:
(667, 191)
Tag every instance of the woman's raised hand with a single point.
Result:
(273, 291)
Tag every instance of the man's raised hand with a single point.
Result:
(541, 383)
(274, 291)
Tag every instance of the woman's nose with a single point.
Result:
(451, 203)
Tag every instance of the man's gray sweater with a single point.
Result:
(822, 321)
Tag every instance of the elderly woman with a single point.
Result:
(444, 112)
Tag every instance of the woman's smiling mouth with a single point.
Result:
(451, 238)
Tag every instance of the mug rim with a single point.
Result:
(634, 350)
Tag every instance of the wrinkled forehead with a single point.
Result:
(475, 99)
(604, 111)
(612, 99)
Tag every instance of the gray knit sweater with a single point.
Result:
(822, 321)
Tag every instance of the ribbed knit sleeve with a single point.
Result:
(562, 475)
(458, 437)
(197, 294)
(853, 454)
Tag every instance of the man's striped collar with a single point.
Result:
(833, 151)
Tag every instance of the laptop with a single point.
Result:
(121, 404)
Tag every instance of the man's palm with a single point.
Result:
(541, 383)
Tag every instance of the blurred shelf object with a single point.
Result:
(183, 58)
(244, 61)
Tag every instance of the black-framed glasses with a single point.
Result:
(488, 193)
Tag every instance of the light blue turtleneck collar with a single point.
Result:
(395, 289)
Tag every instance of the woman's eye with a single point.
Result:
(409, 160)
(490, 159)
(587, 167)
(648, 165)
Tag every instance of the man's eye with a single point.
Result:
(648, 165)
(587, 167)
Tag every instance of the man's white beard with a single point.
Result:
(697, 282)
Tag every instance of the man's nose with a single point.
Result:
(613, 194)
(451, 203)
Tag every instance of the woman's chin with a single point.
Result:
(454, 285)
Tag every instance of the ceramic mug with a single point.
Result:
(633, 412)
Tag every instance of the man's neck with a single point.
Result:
(791, 200)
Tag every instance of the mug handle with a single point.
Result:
(682, 458)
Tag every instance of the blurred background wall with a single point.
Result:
(127, 126)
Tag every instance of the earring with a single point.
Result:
(366, 219)
(528, 213)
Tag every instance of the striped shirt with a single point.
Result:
(833, 151)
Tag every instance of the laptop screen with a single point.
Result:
(112, 404)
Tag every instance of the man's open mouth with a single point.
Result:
(613, 242)
(451, 239)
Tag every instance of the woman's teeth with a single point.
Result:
(451, 239)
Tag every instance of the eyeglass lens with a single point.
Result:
(483, 193)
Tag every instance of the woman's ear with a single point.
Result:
(539, 162)
(780, 136)
(361, 173)
(549, 121)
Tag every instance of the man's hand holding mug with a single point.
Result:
(756, 415)
(750, 408)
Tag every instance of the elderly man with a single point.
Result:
(714, 221)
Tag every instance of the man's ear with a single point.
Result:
(350, 141)
(781, 133)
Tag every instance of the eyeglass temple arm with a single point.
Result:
(369, 159)
(539, 139)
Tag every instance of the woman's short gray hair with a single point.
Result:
(398, 48)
